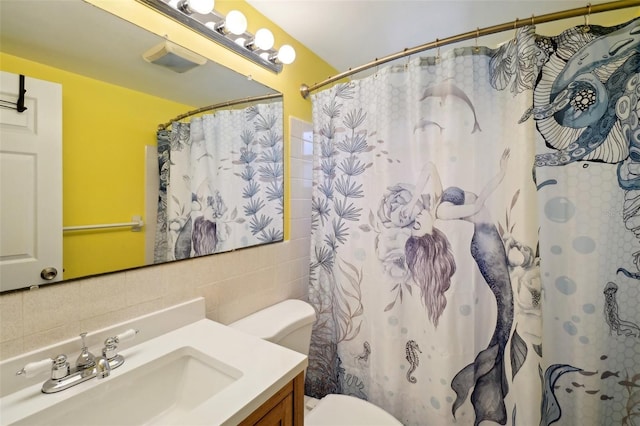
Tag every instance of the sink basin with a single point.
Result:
(159, 392)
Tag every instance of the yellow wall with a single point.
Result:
(90, 137)
(101, 119)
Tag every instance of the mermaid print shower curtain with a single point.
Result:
(463, 267)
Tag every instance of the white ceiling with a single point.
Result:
(76, 36)
(348, 33)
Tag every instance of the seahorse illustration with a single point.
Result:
(412, 350)
(621, 327)
(364, 356)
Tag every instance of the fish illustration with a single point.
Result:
(412, 350)
(608, 374)
(605, 397)
(569, 390)
(592, 392)
(423, 123)
(444, 89)
(577, 385)
(588, 373)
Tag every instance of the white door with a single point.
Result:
(30, 184)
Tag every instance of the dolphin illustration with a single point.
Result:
(444, 89)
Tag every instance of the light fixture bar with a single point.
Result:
(195, 22)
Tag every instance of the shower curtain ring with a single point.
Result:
(515, 31)
(532, 20)
(437, 50)
(477, 48)
(586, 27)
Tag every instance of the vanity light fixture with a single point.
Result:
(229, 31)
(189, 7)
(235, 23)
(263, 40)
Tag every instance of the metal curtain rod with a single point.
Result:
(220, 105)
(305, 90)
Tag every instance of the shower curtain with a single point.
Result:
(474, 218)
(221, 182)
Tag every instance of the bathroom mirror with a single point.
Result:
(84, 48)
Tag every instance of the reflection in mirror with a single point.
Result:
(112, 103)
(221, 183)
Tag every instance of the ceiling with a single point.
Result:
(79, 37)
(349, 33)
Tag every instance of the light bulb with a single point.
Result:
(203, 7)
(264, 39)
(286, 54)
(235, 22)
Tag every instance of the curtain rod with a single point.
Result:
(220, 105)
(305, 90)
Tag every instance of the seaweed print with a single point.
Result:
(262, 165)
(611, 316)
(412, 350)
(337, 189)
(586, 107)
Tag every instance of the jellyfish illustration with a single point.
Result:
(611, 316)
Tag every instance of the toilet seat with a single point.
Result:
(344, 410)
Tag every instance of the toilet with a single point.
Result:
(289, 324)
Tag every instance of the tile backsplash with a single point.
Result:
(234, 284)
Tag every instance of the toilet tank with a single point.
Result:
(287, 324)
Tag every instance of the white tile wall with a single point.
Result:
(233, 284)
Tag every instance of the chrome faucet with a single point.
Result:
(88, 366)
(85, 359)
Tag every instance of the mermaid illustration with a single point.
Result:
(431, 264)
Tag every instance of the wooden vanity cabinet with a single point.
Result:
(285, 408)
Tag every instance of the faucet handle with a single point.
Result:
(111, 344)
(32, 369)
(127, 335)
(58, 366)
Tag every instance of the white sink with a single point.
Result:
(162, 391)
(182, 369)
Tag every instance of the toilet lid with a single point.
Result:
(344, 410)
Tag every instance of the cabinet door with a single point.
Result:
(280, 415)
(285, 407)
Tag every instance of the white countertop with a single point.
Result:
(265, 368)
